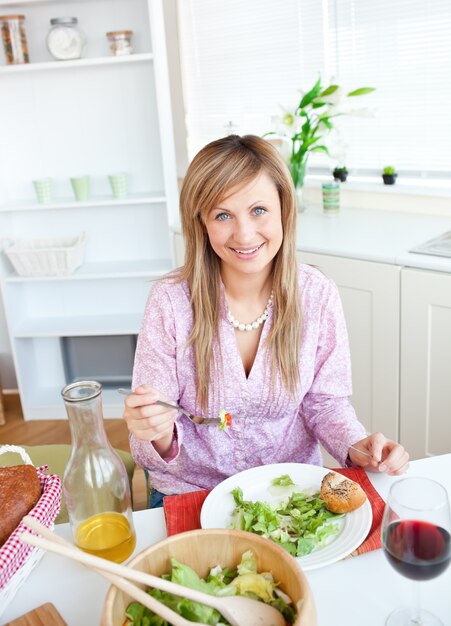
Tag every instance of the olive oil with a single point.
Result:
(95, 483)
(107, 535)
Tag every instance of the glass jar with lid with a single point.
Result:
(65, 40)
(14, 39)
(120, 42)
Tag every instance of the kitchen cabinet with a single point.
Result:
(98, 115)
(425, 402)
(370, 296)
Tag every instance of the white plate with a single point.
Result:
(219, 504)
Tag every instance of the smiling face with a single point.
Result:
(245, 229)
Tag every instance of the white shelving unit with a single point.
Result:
(70, 203)
(97, 115)
(67, 65)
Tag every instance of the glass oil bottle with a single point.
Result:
(95, 483)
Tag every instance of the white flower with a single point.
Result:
(338, 146)
(337, 97)
(322, 129)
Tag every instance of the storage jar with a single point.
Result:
(120, 42)
(14, 39)
(65, 40)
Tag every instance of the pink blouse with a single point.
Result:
(270, 425)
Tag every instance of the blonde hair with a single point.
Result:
(214, 171)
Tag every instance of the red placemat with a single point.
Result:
(182, 512)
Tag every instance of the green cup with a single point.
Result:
(80, 186)
(331, 198)
(119, 184)
(44, 189)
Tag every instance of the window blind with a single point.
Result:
(244, 62)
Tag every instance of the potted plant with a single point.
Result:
(389, 175)
(305, 128)
(340, 173)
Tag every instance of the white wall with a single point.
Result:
(7, 374)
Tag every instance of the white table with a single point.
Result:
(352, 592)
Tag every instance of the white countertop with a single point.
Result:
(380, 236)
(354, 591)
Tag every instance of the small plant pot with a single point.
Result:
(389, 179)
(341, 176)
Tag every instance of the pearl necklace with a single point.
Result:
(253, 325)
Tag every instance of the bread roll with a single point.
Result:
(341, 494)
(20, 490)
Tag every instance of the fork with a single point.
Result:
(200, 421)
(361, 451)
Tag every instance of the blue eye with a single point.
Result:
(259, 210)
(222, 217)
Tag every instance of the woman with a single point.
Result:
(240, 327)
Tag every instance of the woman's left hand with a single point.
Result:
(386, 455)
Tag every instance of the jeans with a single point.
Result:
(156, 499)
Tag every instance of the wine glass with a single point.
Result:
(416, 531)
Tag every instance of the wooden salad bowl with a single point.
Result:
(203, 550)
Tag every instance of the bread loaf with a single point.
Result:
(20, 490)
(341, 494)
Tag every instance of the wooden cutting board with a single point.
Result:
(45, 615)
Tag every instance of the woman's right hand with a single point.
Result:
(149, 421)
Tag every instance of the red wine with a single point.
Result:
(417, 550)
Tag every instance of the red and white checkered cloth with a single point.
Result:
(14, 553)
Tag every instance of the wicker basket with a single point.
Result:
(47, 257)
(17, 559)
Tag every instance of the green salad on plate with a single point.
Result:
(300, 523)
